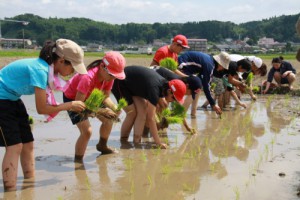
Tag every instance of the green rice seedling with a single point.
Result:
(213, 86)
(156, 151)
(255, 89)
(212, 167)
(149, 180)
(88, 184)
(30, 120)
(59, 198)
(95, 100)
(166, 169)
(128, 163)
(178, 110)
(179, 163)
(267, 151)
(132, 188)
(173, 115)
(188, 188)
(249, 78)
(144, 157)
(169, 63)
(237, 193)
(121, 104)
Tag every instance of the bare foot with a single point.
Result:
(104, 149)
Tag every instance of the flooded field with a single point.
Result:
(251, 153)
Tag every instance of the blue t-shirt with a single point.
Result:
(202, 64)
(22, 76)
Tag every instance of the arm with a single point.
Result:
(178, 72)
(153, 63)
(267, 87)
(235, 82)
(108, 102)
(43, 108)
(151, 110)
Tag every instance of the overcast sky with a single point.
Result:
(151, 11)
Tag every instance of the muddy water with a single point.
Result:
(237, 157)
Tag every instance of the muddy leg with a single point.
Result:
(10, 166)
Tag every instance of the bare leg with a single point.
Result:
(10, 166)
(187, 102)
(82, 141)
(105, 130)
(128, 122)
(220, 99)
(140, 120)
(27, 160)
(291, 78)
(277, 77)
(194, 105)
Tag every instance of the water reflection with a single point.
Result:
(223, 155)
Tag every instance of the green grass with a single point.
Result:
(35, 53)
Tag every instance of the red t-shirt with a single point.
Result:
(85, 83)
(164, 52)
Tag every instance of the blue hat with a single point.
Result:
(194, 84)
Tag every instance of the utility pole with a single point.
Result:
(25, 23)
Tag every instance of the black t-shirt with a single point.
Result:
(233, 67)
(166, 73)
(219, 74)
(143, 82)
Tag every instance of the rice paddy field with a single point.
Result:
(251, 153)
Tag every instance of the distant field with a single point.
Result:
(35, 53)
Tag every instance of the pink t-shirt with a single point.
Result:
(85, 83)
(164, 52)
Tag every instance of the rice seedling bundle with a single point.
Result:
(169, 63)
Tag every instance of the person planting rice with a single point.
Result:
(283, 73)
(193, 85)
(224, 81)
(144, 89)
(26, 77)
(101, 75)
(191, 63)
(257, 68)
(179, 43)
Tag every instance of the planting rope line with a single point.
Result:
(3, 136)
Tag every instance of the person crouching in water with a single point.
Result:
(101, 75)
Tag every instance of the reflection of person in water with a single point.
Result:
(235, 139)
(278, 119)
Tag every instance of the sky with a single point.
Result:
(151, 11)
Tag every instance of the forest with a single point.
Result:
(84, 31)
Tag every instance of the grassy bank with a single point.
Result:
(35, 53)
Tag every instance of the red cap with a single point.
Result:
(178, 89)
(181, 39)
(115, 64)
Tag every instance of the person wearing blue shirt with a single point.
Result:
(26, 77)
(202, 65)
(283, 73)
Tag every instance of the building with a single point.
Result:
(198, 45)
(9, 43)
(266, 42)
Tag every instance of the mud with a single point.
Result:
(241, 156)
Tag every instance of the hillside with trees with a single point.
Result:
(84, 31)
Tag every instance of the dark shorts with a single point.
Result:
(284, 81)
(119, 91)
(14, 123)
(74, 116)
